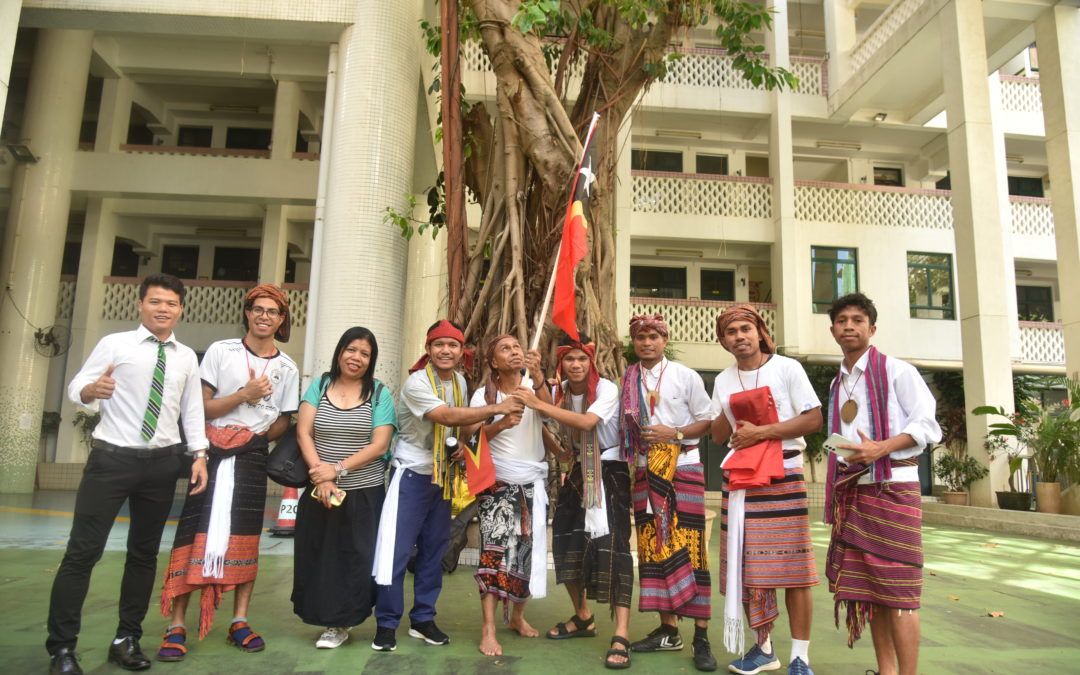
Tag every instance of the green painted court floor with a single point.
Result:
(969, 574)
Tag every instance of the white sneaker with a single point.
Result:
(332, 638)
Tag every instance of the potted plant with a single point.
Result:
(1051, 435)
(85, 423)
(958, 471)
(1011, 499)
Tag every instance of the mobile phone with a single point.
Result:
(835, 440)
(335, 499)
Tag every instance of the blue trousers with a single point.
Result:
(423, 522)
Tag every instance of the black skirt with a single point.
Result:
(333, 555)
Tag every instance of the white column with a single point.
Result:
(977, 186)
(624, 216)
(34, 243)
(114, 114)
(95, 261)
(785, 249)
(361, 278)
(274, 248)
(840, 37)
(9, 28)
(1057, 32)
(286, 119)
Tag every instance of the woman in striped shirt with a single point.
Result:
(346, 421)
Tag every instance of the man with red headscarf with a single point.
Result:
(431, 411)
(665, 410)
(250, 388)
(765, 544)
(591, 528)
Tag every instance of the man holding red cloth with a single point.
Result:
(764, 405)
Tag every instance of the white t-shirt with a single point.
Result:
(606, 407)
(416, 400)
(790, 388)
(683, 401)
(523, 441)
(226, 368)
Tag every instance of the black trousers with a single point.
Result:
(108, 480)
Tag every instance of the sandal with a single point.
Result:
(173, 647)
(618, 665)
(582, 630)
(241, 635)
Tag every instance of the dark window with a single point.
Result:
(194, 137)
(718, 285)
(886, 176)
(180, 261)
(945, 183)
(1022, 186)
(72, 251)
(656, 160)
(125, 263)
(1035, 303)
(657, 282)
(236, 264)
(712, 164)
(930, 286)
(833, 272)
(88, 132)
(247, 139)
(301, 142)
(290, 271)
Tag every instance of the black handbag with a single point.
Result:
(286, 465)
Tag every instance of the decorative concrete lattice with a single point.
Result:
(929, 209)
(214, 304)
(883, 29)
(696, 194)
(298, 300)
(65, 300)
(211, 304)
(695, 320)
(1032, 216)
(1042, 342)
(812, 73)
(1020, 94)
(121, 300)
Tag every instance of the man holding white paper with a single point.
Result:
(764, 405)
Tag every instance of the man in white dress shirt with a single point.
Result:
(143, 382)
(665, 410)
(873, 501)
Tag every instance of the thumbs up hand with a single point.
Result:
(100, 388)
(256, 388)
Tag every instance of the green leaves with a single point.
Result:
(538, 15)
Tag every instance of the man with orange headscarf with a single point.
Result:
(765, 544)
(250, 388)
(591, 528)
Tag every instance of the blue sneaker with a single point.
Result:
(755, 661)
(799, 667)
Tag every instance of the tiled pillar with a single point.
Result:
(361, 276)
(34, 243)
(1057, 33)
(785, 249)
(980, 225)
(95, 261)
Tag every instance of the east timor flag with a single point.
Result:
(479, 468)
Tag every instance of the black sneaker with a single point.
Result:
(429, 633)
(703, 658)
(664, 639)
(385, 640)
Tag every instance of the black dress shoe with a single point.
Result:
(64, 662)
(128, 655)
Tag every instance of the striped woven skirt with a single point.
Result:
(602, 567)
(674, 579)
(875, 557)
(777, 552)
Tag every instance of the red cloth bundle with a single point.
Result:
(758, 464)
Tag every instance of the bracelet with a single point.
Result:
(200, 454)
(339, 467)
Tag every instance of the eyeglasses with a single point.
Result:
(259, 311)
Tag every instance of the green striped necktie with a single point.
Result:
(157, 388)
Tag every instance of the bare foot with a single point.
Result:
(489, 646)
(520, 626)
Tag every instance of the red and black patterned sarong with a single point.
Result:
(506, 542)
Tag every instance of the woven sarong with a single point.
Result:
(602, 567)
(185, 571)
(674, 574)
(506, 542)
(875, 556)
(777, 552)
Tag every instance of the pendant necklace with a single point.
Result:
(251, 370)
(756, 375)
(850, 409)
(653, 395)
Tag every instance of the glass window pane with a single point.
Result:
(718, 285)
(930, 294)
(712, 164)
(656, 160)
(657, 282)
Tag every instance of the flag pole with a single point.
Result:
(535, 343)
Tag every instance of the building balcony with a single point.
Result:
(1042, 342)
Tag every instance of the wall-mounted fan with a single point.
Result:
(52, 341)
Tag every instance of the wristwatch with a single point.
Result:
(341, 470)
(678, 434)
(199, 454)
